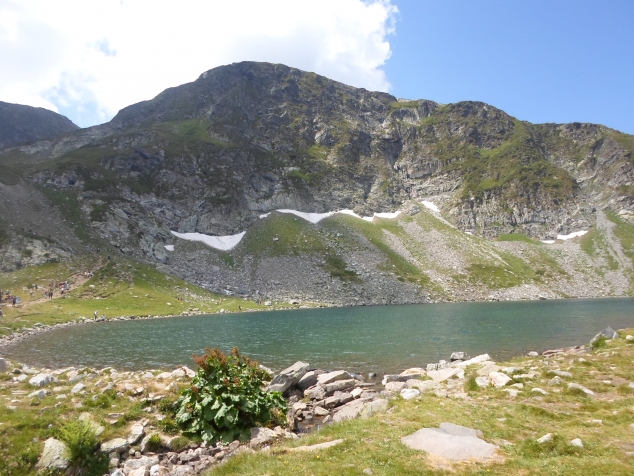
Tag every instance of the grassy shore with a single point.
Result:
(117, 288)
(604, 423)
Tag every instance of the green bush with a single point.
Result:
(226, 399)
(470, 384)
(600, 343)
(81, 441)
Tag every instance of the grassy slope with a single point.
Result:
(513, 423)
(118, 288)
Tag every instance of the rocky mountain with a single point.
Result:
(246, 139)
(21, 124)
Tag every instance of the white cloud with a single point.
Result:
(88, 59)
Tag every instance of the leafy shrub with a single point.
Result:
(178, 443)
(226, 399)
(81, 440)
(168, 425)
(470, 384)
(154, 442)
(600, 343)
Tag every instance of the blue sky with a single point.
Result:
(540, 61)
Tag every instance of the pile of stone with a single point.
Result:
(325, 396)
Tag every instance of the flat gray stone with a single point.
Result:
(437, 442)
(308, 380)
(331, 377)
(116, 445)
(145, 462)
(459, 430)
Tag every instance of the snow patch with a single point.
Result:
(574, 234)
(223, 243)
(317, 217)
(569, 236)
(311, 217)
(169, 247)
(431, 206)
(264, 215)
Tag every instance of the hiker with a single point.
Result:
(96, 314)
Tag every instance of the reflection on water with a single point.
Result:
(382, 338)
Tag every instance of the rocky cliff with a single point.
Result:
(246, 139)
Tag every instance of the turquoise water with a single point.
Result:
(380, 339)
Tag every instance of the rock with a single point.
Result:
(261, 436)
(512, 392)
(299, 406)
(136, 434)
(38, 394)
(376, 406)
(487, 368)
(331, 402)
(394, 387)
(317, 447)
(518, 385)
(414, 372)
(41, 379)
(483, 381)
(545, 439)
(401, 377)
(356, 392)
(116, 445)
(288, 377)
(457, 356)
(560, 373)
(443, 374)
(475, 360)
(158, 470)
(116, 472)
(320, 411)
(533, 354)
(331, 377)
(539, 390)
(339, 385)
(138, 472)
(77, 388)
(577, 442)
(629, 338)
(182, 470)
(409, 393)
(555, 381)
(349, 411)
(164, 375)
(423, 385)
(585, 390)
(460, 430)
(308, 380)
(315, 393)
(498, 379)
(53, 457)
(183, 371)
(452, 442)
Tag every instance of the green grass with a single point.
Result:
(513, 423)
(404, 104)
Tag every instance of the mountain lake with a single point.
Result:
(381, 339)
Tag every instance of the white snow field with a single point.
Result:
(223, 243)
(569, 236)
(431, 205)
(317, 217)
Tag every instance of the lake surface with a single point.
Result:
(380, 339)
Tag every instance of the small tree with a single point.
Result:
(226, 398)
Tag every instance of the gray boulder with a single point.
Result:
(331, 377)
(261, 436)
(315, 393)
(608, 333)
(116, 445)
(453, 442)
(308, 380)
(53, 457)
(288, 377)
(145, 462)
(41, 379)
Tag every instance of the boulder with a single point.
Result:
(560, 373)
(308, 380)
(349, 411)
(539, 390)
(183, 371)
(288, 377)
(116, 445)
(77, 388)
(53, 457)
(585, 390)
(315, 393)
(545, 439)
(375, 406)
(320, 411)
(475, 360)
(444, 374)
(555, 381)
(409, 393)
(158, 470)
(339, 385)
(457, 356)
(577, 442)
(453, 442)
(40, 394)
(182, 470)
(331, 377)
(138, 472)
(261, 436)
(394, 387)
(482, 381)
(487, 368)
(498, 379)
(136, 434)
(422, 385)
(41, 379)
(403, 377)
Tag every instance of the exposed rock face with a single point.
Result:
(242, 140)
(21, 124)
(54, 456)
